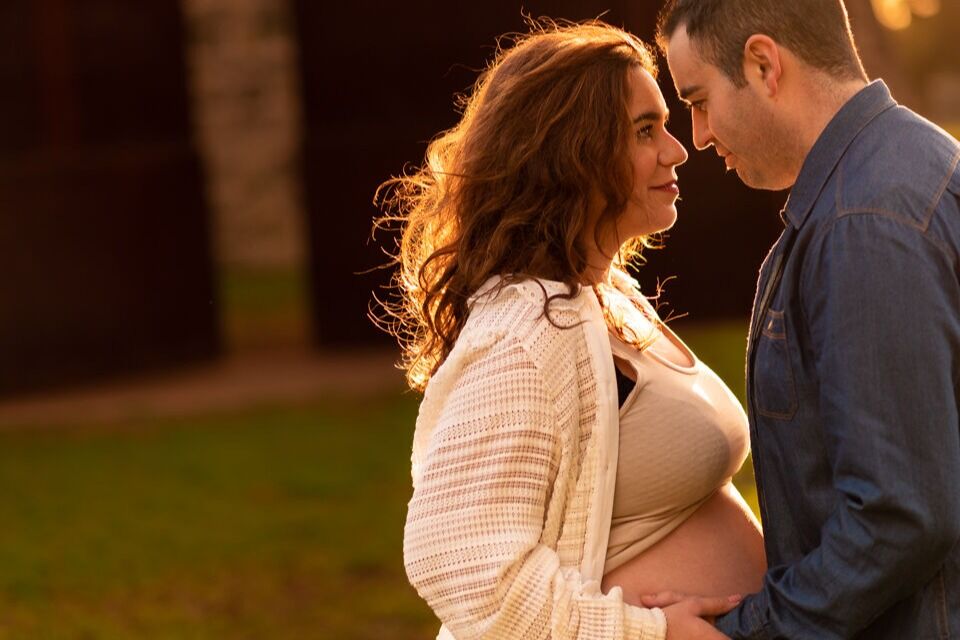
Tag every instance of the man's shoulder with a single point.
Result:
(902, 134)
(899, 165)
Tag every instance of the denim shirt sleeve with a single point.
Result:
(881, 303)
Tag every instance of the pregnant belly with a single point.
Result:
(716, 551)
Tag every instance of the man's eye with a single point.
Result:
(699, 105)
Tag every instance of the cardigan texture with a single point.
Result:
(514, 464)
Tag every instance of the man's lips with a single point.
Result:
(669, 187)
(729, 159)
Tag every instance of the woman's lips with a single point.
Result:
(669, 187)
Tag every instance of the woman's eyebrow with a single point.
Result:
(652, 115)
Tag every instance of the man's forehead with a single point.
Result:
(689, 70)
(681, 51)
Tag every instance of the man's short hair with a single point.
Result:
(816, 31)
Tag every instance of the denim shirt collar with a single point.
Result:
(829, 148)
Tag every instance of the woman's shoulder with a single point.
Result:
(531, 292)
(521, 307)
(507, 315)
(508, 333)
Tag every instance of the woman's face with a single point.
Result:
(655, 154)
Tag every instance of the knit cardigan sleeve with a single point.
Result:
(476, 540)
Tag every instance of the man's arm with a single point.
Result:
(882, 303)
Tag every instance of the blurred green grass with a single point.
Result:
(264, 307)
(276, 523)
(270, 523)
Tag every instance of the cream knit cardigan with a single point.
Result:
(514, 465)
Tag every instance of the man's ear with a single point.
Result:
(761, 63)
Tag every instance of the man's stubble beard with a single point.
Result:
(771, 149)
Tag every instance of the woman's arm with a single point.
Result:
(474, 539)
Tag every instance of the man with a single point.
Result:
(853, 360)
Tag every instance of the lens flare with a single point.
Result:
(925, 8)
(898, 14)
(893, 14)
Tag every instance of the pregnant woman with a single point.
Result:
(571, 454)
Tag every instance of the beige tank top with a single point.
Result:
(683, 435)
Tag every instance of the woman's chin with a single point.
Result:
(664, 221)
(649, 222)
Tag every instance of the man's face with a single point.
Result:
(738, 122)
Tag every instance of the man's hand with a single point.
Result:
(691, 616)
(667, 598)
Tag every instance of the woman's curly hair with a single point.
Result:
(542, 142)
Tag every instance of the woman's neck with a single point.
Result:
(598, 267)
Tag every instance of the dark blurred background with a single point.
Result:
(203, 434)
(151, 154)
(163, 162)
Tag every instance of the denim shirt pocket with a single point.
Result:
(776, 392)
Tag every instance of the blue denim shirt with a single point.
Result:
(853, 366)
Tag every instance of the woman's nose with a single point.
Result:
(675, 154)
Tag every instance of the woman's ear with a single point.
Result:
(762, 63)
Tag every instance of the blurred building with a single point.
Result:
(105, 263)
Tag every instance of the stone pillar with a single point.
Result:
(242, 61)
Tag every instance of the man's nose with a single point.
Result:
(702, 136)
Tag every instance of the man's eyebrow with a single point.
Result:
(686, 92)
(652, 115)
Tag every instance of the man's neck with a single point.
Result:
(825, 99)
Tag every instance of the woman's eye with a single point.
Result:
(644, 133)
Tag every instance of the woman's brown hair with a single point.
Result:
(509, 190)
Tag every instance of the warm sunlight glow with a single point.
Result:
(893, 14)
(898, 14)
(925, 8)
